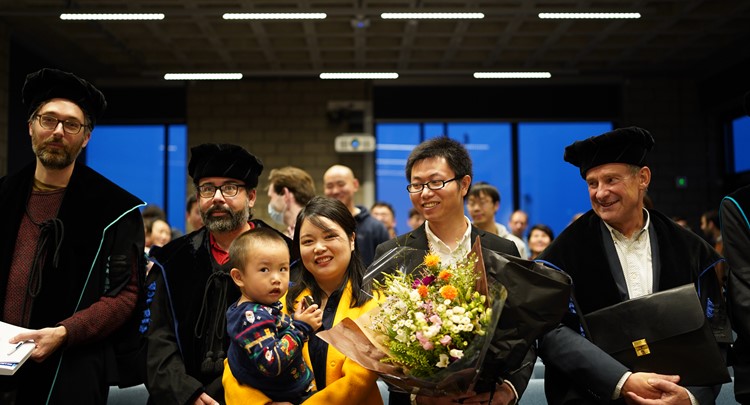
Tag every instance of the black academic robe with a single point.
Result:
(418, 239)
(102, 236)
(575, 368)
(735, 231)
(186, 335)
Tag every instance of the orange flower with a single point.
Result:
(444, 275)
(431, 260)
(448, 292)
(422, 290)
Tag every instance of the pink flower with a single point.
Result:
(422, 281)
(445, 340)
(436, 320)
(426, 344)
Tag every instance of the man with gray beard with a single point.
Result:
(192, 289)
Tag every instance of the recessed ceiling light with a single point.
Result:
(434, 16)
(512, 75)
(589, 15)
(274, 16)
(111, 16)
(371, 75)
(203, 76)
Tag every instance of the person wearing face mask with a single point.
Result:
(289, 190)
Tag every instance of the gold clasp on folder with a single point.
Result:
(641, 347)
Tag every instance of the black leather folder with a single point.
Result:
(665, 332)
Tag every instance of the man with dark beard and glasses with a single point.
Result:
(68, 266)
(191, 285)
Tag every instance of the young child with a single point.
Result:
(266, 344)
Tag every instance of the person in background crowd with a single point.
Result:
(187, 341)
(439, 173)
(518, 223)
(289, 189)
(193, 218)
(158, 232)
(416, 219)
(617, 251)
(332, 274)
(540, 236)
(711, 229)
(681, 222)
(71, 243)
(482, 204)
(341, 184)
(383, 212)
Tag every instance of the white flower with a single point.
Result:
(458, 310)
(431, 331)
(414, 296)
(443, 360)
(457, 353)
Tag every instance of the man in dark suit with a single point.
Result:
(617, 251)
(439, 173)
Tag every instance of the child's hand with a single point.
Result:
(311, 315)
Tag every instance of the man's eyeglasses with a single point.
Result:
(227, 190)
(49, 122)
(432, 185)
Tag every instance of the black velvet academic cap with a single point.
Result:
(624, 145)
(224, 160)
(47, 84)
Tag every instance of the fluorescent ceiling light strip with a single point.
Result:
(274, 16)
(203, 76)
(111, 16)
(604, 16)
(512, 75)
(426, 16)
(343, 75)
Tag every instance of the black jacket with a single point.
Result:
(102, 237)
(575, 367)
(735, 231)
(187, 341)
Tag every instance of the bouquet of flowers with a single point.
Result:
(430, 316)
(433, 326)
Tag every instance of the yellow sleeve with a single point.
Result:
(237, 394)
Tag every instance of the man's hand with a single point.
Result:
(47, 341)
(671, 394)
(503, 395)
(638, 384)
(205, 399)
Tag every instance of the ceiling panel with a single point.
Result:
(677, 36)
